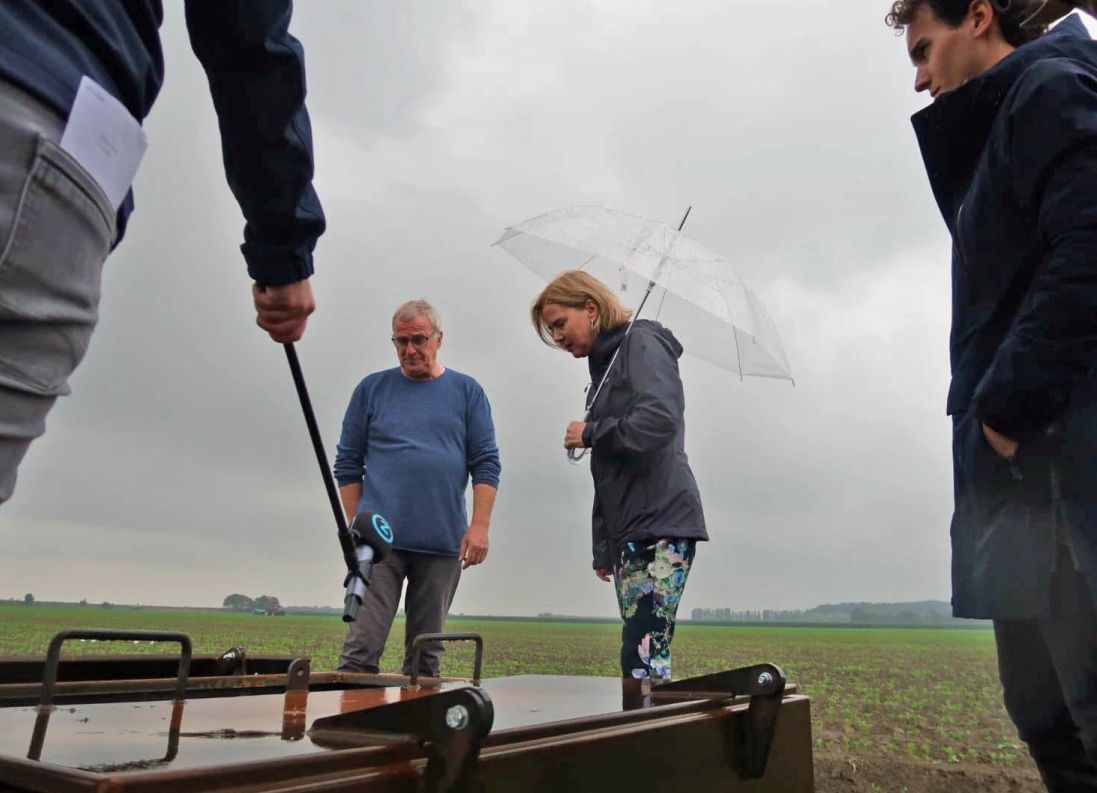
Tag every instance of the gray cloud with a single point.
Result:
(375, 66)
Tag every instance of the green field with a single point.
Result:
(918, 694)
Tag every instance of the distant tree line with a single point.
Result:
(238, 602)
(747, 615)
(924, 612)
(29, 600)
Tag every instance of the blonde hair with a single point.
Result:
(572, 289)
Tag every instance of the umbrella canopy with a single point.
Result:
(696, 293)
(1052, 10)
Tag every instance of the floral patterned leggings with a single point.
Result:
(650, 580)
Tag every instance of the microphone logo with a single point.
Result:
(382, 527)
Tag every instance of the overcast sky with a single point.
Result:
(180, 469)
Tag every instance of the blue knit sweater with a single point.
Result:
(413, 445)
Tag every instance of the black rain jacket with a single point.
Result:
(644, 489)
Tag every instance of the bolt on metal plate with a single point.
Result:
(457, 717)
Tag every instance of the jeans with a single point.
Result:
(56, 229)
(432, 583)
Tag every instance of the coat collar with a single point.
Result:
(603, 348)
(954, 129)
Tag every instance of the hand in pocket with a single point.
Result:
(1004, 447)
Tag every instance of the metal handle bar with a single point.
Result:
(53, 655)
(417, 648)
(53, 661)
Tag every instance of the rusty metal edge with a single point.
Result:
(93, 658)
(361, 777)
(254, 775)
(43, 778)
(273, 775)
(683, 696)
(12, 694)
(629, 717)
(579, 737)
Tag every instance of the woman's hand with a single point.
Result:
(603, 573)
(573, 437)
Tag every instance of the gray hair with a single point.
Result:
(418, 308)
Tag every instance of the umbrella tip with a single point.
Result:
(688, 210)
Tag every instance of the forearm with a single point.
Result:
(599, 541)
(655, 414)
(483, 500)
(646, 428)
(1053, 167)
(349, 468)
(257, 81)
(1050, 347)
(349, 495)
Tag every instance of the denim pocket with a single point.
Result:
(54, 246)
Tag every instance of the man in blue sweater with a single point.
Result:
(77, 78)
(412, 436)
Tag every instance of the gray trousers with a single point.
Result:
(56, 229)
(432, 583)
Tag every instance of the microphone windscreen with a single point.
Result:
(375, 531)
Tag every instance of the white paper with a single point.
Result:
(105, 139)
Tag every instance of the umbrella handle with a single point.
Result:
(575, 455)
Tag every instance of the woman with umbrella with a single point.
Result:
(647, 513)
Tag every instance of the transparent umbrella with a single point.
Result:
(1049, 11)
(693, 290)
(686, 286)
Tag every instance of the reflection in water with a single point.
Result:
(41, 722)
(293, 715)
(351, 699)
(118, 736)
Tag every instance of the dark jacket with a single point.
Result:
(644, 489)
(1012, 159)
(257, 79)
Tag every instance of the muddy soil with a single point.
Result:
(841, 773)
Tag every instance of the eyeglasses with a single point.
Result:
(418, 341)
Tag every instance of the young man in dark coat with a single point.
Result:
(1010, 147)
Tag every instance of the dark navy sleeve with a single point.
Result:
(480, 449)
(1052, 343)
(599, 540)
(256, 72)
(350, 454)
(657, 410)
